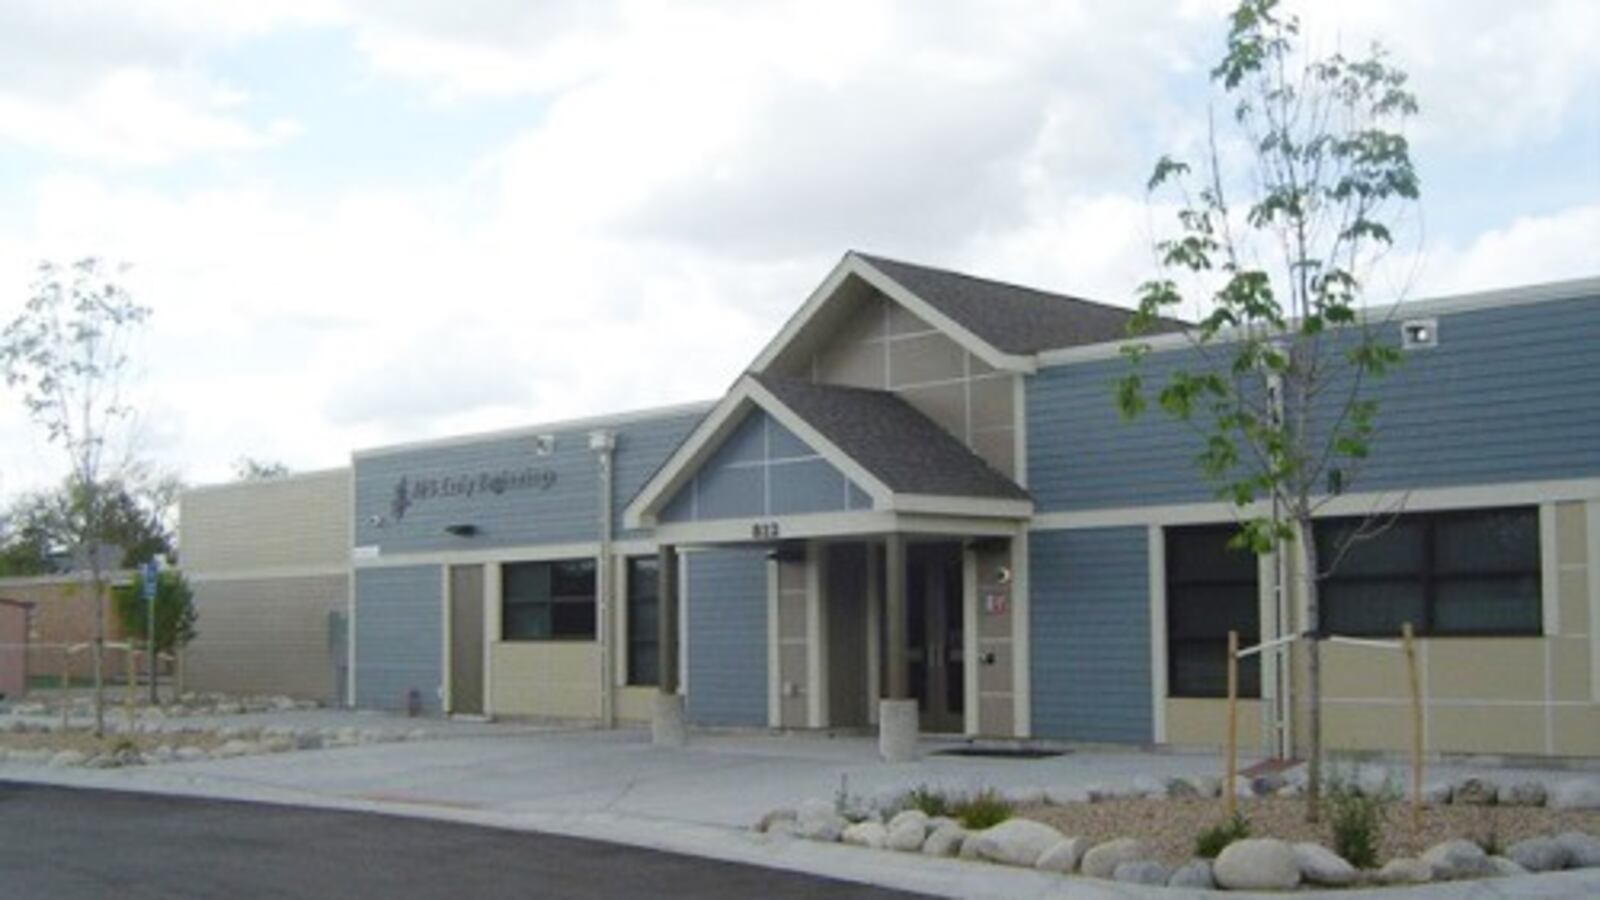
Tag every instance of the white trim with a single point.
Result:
(1156, 552)
(521, 553)
(260, 573)
(961, 506)
(816, 638)
(622, 650)
(447, 653)
(1019, 444)
(1423, 499)
(1266, 612)
(683, 623)
(1549, 570)
(1592, 523)
(588, 422)
(1436, 306)
(774, 649)
(350, 602)
(821, 525)
(492, 618)
(969, 640)
(1021, 644)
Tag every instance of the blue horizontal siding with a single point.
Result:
(399, 631)
(1090, 635)
(1508, 395)
(726, 605)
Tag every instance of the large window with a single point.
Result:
(1211, 589)
(643, 590)
(1472, 572)
(548, 601)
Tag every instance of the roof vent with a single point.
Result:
(1419, 334)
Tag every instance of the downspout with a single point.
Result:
(1283, 715)
(603, 443)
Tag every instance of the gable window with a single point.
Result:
(1462, 573)
(643, 662)
(548, 601)
(1211, 589)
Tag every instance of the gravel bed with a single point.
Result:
(1171, 825)
(86, 742)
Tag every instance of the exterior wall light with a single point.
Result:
(461, 530)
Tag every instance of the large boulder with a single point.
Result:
(908, 836)
(1522, 793)
(816, 820)
(1539, 854)
(775, 819)
(1505, 868)
(945, 840)
(68, 758)
(1474, 792)
(1196, 873)
(1062, 857)
(1257, 864)
(1583, 850)
(1405, 870)
(865, 834)
(1017, 842)
(1458, 859)
(1205, 785)
(1319, 865)
(1142, 871)
(1101, 860)
(1582, 793)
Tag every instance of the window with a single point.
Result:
(1473, 572)
(643, 591)
(1211, 589)
(544, 601)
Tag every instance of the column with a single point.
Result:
(897, 712)
(668, 727)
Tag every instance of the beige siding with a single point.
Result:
(266, 636)
(299, 522)
(557, 679)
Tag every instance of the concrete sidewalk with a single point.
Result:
(701, 799)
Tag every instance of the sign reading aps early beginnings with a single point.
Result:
(411, 491)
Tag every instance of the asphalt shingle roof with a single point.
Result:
(1011, 318)
(888, 437)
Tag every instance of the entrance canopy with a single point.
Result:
(781, 457)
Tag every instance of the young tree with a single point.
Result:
(174, 613)
(67, 351)
(1281, 228)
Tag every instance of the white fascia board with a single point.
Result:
(831, 525)
(807, 311)
(985, 507)
(1376, 313)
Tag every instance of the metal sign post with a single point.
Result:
(148, 574)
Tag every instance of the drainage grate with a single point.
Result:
(1001, 752)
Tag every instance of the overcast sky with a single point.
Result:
(368, 221)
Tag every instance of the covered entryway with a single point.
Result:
(935, 635)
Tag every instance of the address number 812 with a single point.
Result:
(764, 531)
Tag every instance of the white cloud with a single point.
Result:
(1527, 250)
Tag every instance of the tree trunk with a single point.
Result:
(1313, 628)
(99, 654)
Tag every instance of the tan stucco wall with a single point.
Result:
(265, 636)
(301, 521)
(1203, 722)
(996, 688)
(545, 678)
(793, 667)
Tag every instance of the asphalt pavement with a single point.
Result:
(65, 844)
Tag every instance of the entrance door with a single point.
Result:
(466, 640)
(934, 611)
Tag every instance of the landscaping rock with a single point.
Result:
(1522, 793)
(1375, 781)
(1319, 865)
(1405, 870)
(1196, 873)
(1458, 859)
(1262, 785)
(1181, 789)
(1142, 872)
(1257, 864)
(1102, 859)
(969, 847)
(188, 754)
(1583, 850)
(102, 761)
(908, 836)
(68, 758)
(1100, 791)
(1436, 794)
(1017, 842)
(1506, 867)
(909, 815)
(816, 820)
(1539, 854)
(1206, 786)
(866, 834)
(1474, 792)
(773, 818)
(1063, 857)
(1583, 793)
(945, 840)
(235, 748)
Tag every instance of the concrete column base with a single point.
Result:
(669, 727)
(897, 730)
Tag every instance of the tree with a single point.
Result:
(134, 525)
(175, 614)
(248, 468)
(67, 351)
(1282, 356)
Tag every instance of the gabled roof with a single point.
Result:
(1013, 319)
(902, 448)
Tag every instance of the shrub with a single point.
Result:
(982, 810)
(931, 801)
(1212, 841)
(1356, 822)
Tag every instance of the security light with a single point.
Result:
(461, 530)
(1419, 334)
